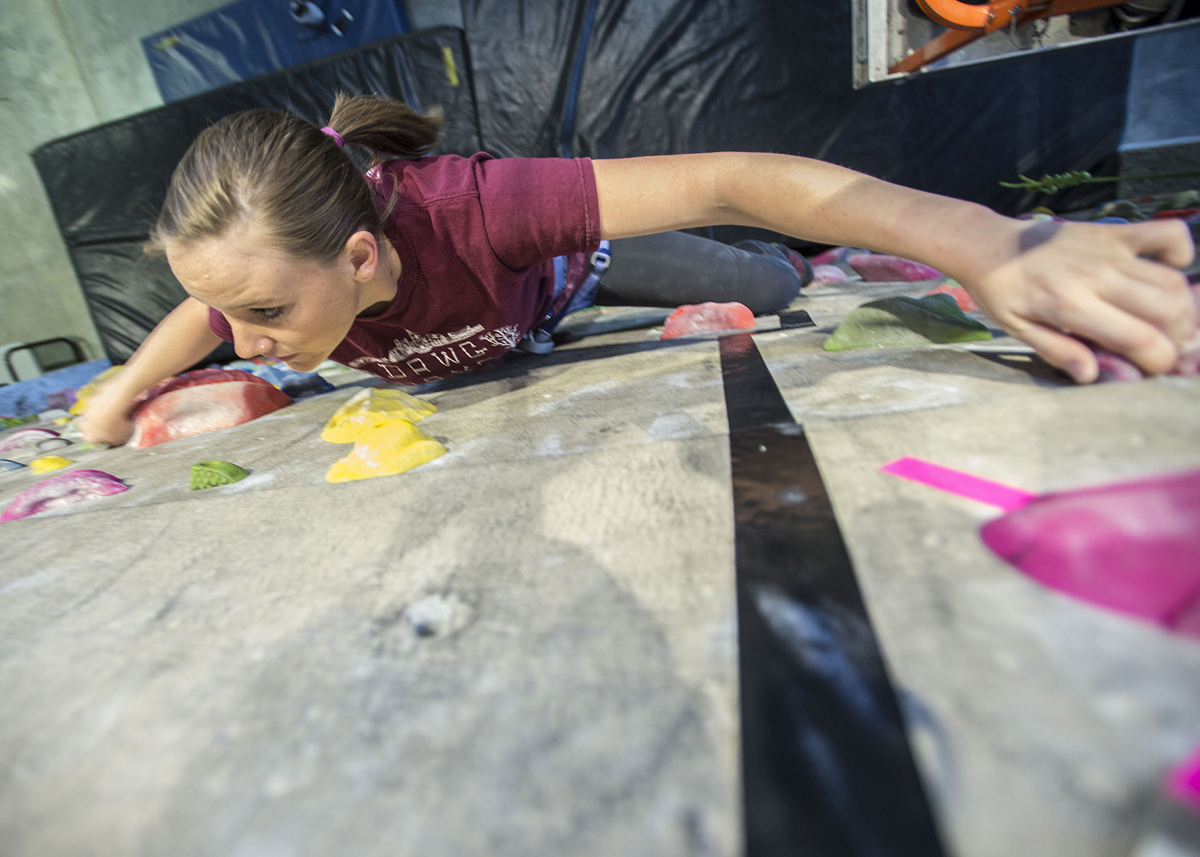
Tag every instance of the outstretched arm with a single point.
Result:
(1048, 284)
(179, 341)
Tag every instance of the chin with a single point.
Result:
(302, 364)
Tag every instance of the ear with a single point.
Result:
(362, 251)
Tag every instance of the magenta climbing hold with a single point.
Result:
(24, 437)
(1129, 546)
(707, 318)
(201, 401)
(63, 490)
(1183, 781)
(889, 269)
(1114, 368)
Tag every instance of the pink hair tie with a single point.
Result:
(337, 138)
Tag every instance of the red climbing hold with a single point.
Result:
(889, 269)
(706, 318)
(960, 295)
(205, 400)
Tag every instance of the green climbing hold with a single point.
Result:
(9, 422)
(899, 321)
(210, 474)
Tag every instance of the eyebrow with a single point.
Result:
(256, 305)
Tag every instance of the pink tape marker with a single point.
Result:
(1183, 783)
(957, 482)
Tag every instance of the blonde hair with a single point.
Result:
(290, 177)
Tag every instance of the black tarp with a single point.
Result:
(107, 184)
(616, 78)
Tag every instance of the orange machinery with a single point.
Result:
(968, 22)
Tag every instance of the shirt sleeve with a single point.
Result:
(537, 208)
(219, 325)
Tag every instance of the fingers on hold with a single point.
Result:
(1060, 350)
(1166, 302)
(1131, 337)
(1156, 274)
(1169, 241)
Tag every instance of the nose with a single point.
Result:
(249, 342)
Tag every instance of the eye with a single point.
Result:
(268, 313)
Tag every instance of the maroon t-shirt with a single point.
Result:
(476, 238)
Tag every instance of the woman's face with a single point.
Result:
(296, 310)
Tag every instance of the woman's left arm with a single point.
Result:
(1045, 283)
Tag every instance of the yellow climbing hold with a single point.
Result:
(49, 462)
(394, 447)
(370, 409)
(90, 389)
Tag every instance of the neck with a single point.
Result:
(379, 292)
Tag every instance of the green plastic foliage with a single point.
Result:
(899, 321)
(210, 474)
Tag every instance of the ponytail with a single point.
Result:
(389, 129)
(291, 177)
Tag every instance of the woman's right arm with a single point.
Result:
(180, 340)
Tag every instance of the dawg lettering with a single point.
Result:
(424, 356)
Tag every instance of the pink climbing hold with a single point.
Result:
(1115, 368)
(960, 295)
(829, 274)
(706, 318)
(21, 438)
(836, 254)
(62, 490)
(202, 401)
(890, 269)
(1130, 546)
(1183, 782)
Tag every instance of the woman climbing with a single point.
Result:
(427, 266)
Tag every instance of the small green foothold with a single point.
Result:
(210, 474)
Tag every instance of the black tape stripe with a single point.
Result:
(826, 766)
(795, 318)
(752, 398)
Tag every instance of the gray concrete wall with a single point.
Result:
(65, 65)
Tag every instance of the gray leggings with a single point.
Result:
(675, 268)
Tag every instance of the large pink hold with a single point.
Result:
(890, 269)
(202, 401)
(706, 318)
(1131, 546)
(62, 490)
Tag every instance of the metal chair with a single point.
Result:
(48, 354)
